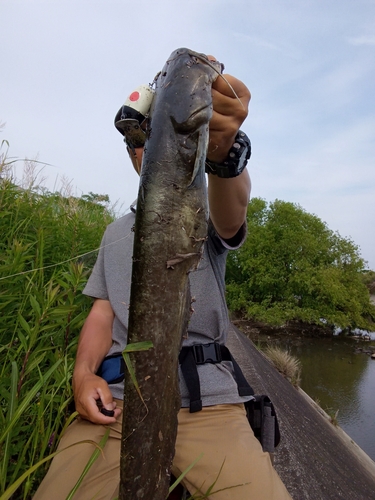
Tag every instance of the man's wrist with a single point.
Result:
(85, 368)
(235, 161)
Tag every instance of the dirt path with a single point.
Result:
(315, 460)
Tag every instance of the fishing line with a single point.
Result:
(209, 63)
(64, 261)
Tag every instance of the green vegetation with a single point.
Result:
(293, 268)
(333, 416)
(369, 281)
(47, 249)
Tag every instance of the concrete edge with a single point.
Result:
(362, 456)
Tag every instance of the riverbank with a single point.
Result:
(362, 456)
(337, 373)
(312, 460)
(256, 329)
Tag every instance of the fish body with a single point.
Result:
(170, 230)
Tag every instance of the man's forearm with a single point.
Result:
(228, 201)
(94, 343)
(228, 197)
(95, 338)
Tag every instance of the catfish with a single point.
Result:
(170, 231)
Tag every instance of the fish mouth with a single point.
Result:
(196, 119)
(200, 110)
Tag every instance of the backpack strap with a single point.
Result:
(199, 354)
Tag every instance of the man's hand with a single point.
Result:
(94, 343)
(230, 110)
(230, 100)
(88, 389)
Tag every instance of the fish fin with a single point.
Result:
(201, 154)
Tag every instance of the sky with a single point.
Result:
(67, 67)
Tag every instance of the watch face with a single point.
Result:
(236, 161)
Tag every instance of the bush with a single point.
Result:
(292, 267)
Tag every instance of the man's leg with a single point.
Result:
(233, 458)
(102, 480)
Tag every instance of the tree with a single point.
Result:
(293, 267)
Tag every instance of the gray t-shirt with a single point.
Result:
(111, 280)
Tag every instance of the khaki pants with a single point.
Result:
(232, 459)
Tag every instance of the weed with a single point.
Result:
(47, 248)
(285, 363)
(333, 416)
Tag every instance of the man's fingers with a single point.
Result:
(228, 104)
(107, 406)
(93, 412)
(92, 397)
(230, 86)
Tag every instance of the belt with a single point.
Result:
(199, 354)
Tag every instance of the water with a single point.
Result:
(341, 378)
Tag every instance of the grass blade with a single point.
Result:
(89, 464)
(139, 346)
(11, 409)
(14, 487)
(135, 347)
(181, 476)
(27, 399)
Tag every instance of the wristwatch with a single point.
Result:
(236, 160)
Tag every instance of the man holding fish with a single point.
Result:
(212, 422)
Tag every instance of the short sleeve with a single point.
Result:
(96, 286)
(237, 240)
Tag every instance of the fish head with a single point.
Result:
(187, 79)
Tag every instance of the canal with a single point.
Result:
(339, 374)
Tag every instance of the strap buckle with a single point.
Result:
(207, 353)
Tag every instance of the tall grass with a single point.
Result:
(285, 363)
(42, 309)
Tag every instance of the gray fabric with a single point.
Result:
(111, 279)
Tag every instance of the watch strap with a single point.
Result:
(238, 156)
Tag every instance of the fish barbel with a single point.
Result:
(170, 230)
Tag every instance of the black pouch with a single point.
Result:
(112, 368)
(262, 417)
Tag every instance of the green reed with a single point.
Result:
(42, 309)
